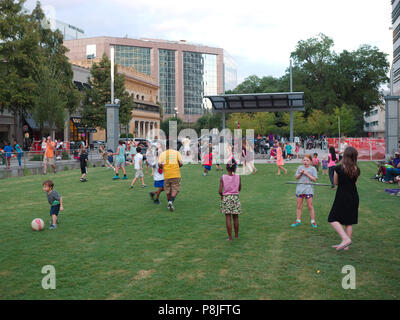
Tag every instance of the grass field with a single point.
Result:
(114, 243)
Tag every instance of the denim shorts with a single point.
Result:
(208, 167)
(159, 184)
(54, 210)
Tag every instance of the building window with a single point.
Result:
(137, 57)
(167, 80)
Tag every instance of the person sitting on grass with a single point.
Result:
(392, 172)
(138, 161)
(55, 201)
(83, 158)
(229, 187)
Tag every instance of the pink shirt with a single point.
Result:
(230, 184)
(331, 163)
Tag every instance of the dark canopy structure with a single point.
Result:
(259, 102)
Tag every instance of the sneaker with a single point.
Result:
(170, 206)
(53, 226)
(296, 224)
(115, 177)
(314, 225)
(124, 178)
(130, 187)
(151, 195)
(144, 186)
(156, 201)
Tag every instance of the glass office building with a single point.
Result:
(69, 32)
(167, 80)
(138, 57)
(230, 72)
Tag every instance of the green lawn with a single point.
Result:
(114, 243)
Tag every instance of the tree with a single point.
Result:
(99, 94)
(318, 123)
(19, 55)
(349, 121)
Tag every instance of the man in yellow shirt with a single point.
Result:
(170, 162)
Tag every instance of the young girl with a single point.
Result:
(345, 207)
(229, 187)
(297, 150)
(305, 174)
(324, 165)
(331, 164)
(104, 155)
(315, 161)
(279, 159)
(120, 160)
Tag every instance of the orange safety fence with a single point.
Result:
(368, 148)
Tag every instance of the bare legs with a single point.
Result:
(229, 225)
(281, 168)
(300, 208)
(345, 234)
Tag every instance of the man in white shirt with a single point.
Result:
(343, 146)
(138, 162)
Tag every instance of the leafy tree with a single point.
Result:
(318, 123)
(99, 94)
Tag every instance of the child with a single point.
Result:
(8, 153)
(325, 165)
(332, 159)
(305, 174)
(55, 201)
(120, 160)
(19, 151)
(345, 207)
(217, 158)
(207, 162)
(297, 150)
(229, 187)
(288, 148)
(279, 159)
(158, 177)
(138, 160)
(315, 161)
(105, 156)
(83, 158)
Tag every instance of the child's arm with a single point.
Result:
(312, 178)
(221, 187)
(301, 172)
(61, 204)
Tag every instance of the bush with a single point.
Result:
(37, 157)
(66, 168)
(130, 135)
(123, 135)
(27, 172)
(64, 155)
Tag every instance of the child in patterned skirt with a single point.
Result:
(229, 188)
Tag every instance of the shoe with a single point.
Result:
(170, 206)
(130, 187)
(52, 227)
(296, 224)
(151, 195)
(124, 178)
(81, 180)
(156, 201)
(144, 186)
(314, 225)
(115, 177)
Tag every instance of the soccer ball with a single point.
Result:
(37, 224)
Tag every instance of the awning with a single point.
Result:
(81, 128)
(34, 125)
(258, 102)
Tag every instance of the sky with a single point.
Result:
(258, 34)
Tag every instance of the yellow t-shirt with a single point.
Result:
(170, 160)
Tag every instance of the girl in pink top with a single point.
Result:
(279, 159)
(229, 188)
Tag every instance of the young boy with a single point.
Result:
(158, 182)
(207, 162)
(315, 161)
(55, 201)
(138, 160)
(83, 158)
(288, 149)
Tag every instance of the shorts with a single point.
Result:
(48, 160)
(139, 173)
(230, 204)
(119, 164)
(159, 184)
(302, 196)
(172, 185)
(207, 167)
(84, 170)
(324, 167)
(54, 210)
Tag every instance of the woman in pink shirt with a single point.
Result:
(229, 188)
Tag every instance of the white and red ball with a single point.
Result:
(37, 224)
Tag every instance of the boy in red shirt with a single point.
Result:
(207, 162)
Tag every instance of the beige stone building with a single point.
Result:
(144, 90)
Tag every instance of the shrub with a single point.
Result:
(27, 172)
(64, 155)
(130, 135)
(123, 135)
(66, 168)
(37, 157)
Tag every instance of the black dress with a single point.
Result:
(345, 207)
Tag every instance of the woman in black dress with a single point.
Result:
(345, 207)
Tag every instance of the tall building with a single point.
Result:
(184, 72)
